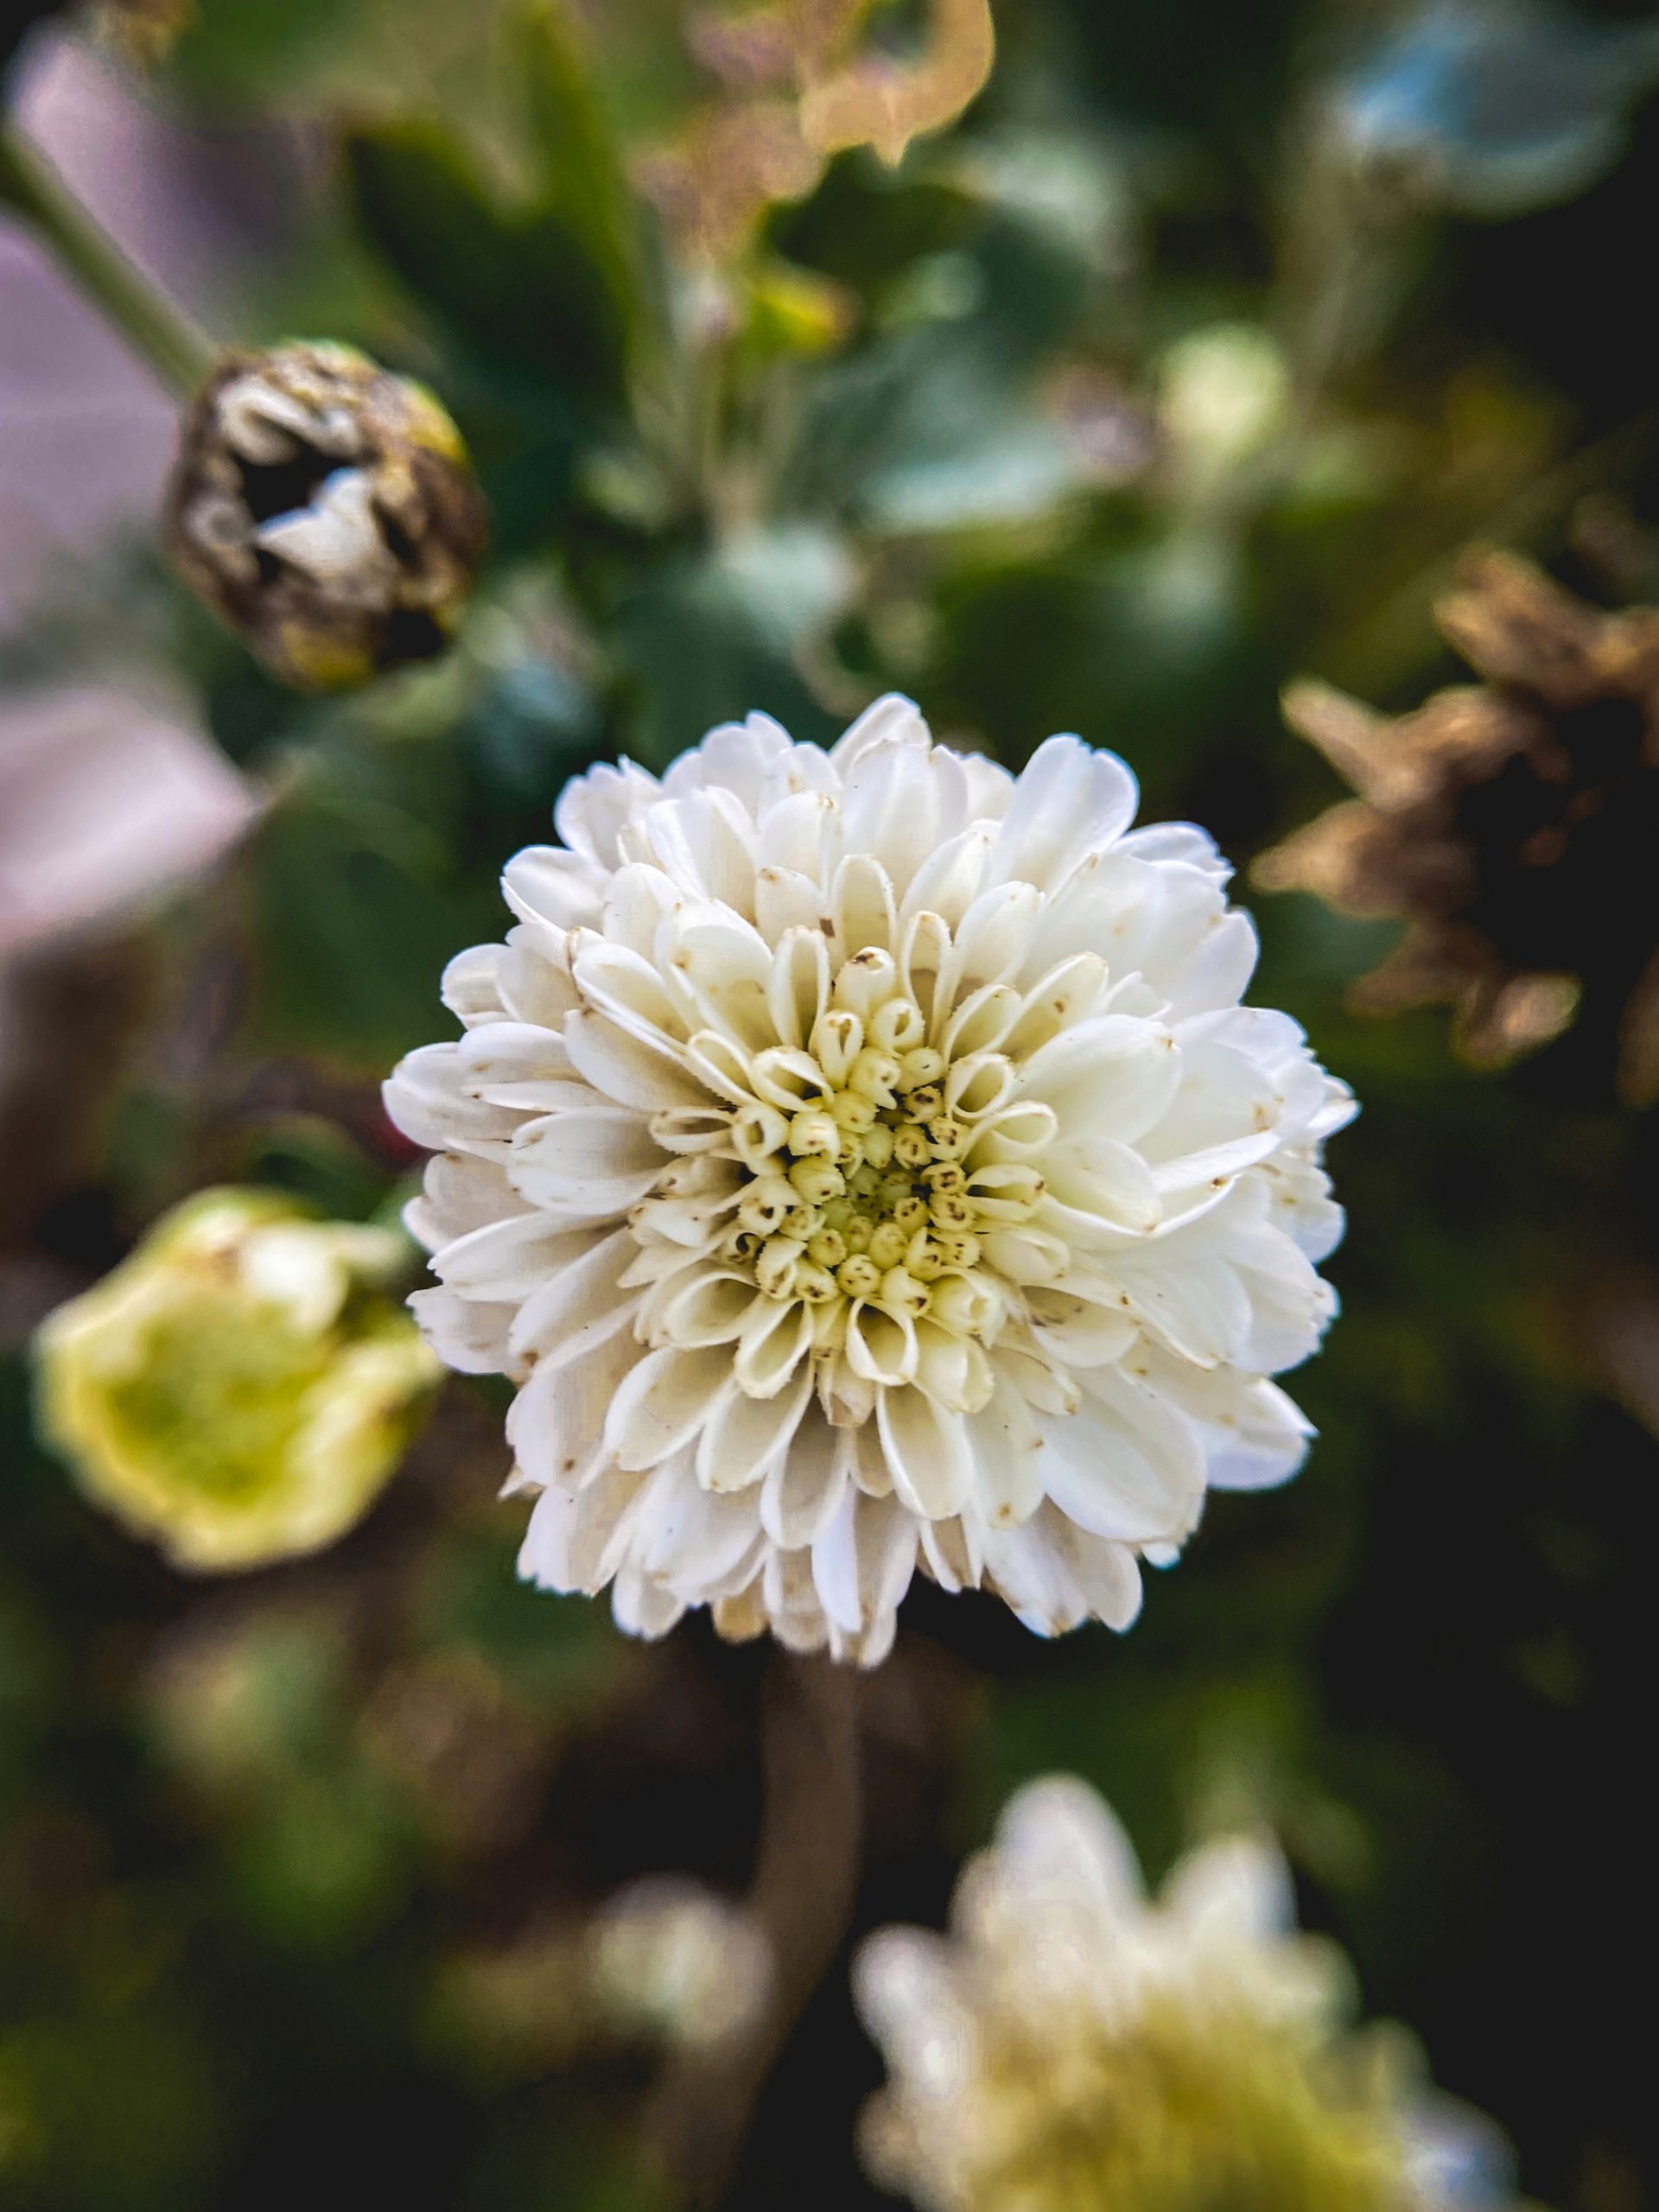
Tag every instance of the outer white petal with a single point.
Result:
(1235, 1890)
(891, 717)
(426, 1097)
(595, 808)
(585, 1163)
(466, 1333)
(1058, 1835)
(1069, 801)
(460, 1192)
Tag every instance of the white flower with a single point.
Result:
(1072, 2043)
(861, 1159)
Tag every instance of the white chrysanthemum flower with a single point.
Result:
(1072, 2043)
(861, 1159)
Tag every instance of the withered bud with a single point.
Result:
(327, 511)
(1510, 823)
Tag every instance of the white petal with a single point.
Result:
(862, 912)
(691, 1537)
(743, 1435)
(593, 809)
(509, 1260)
(570, 1532)
(1107, 1573)
(625, 1067)
(663, 1403)
(785, 900)
(565, 888)
(642, 1607)
(556, 1425)
(992, 941)
(1236, 1890)
(1007, 1447)
(795, 841)
(704, 844)
(1125, 1465)
(578, 1301)
(1112, 1073)
(927, 1451)
(466, 1333)
(517, 1065)
(949, 878)
(628, 988)
(891, 718)
(806, 1484)
(735, 757)
(1058, 1836)
(902, 801)
(775, 1337)
(1186, 1292)
(1068, 801)
(426, 1098)
(470, 988)
(587, 1165)
(1097, 1175)
(460, 1192)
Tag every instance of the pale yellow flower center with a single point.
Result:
(1181, 2112)
(863, 1183)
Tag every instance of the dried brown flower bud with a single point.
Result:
(326, 509)
(1511, 823)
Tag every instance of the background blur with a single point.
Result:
(1187, 360)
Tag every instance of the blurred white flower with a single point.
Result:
(861, 1159)
(670, 1956)
(1222, 393)
(1072, 2043)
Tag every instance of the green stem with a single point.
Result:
(180, 354)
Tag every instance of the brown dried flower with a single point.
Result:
(799, 85)
(1511, 824)
(326, 509)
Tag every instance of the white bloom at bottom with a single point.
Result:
(862, 1161)
(1072, 2043)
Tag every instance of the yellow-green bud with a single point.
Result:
(921, 1068)
(902, 1294)
(878, 1146)
(816, 1180)
(242, 1387)
(327, 511)
(887, 1245)
(766, 1203)
(813, 1135)
(909, 1147)
(874, 1075)
(859, 1276)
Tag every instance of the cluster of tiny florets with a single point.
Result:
(857, 1189)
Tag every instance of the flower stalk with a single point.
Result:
(166, 339)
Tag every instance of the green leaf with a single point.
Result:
(361, 903)
(715, 635)
(520, 289)
(584, 182)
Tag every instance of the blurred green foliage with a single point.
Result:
(925, 427)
